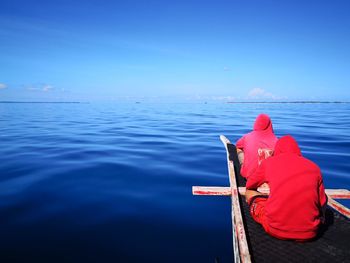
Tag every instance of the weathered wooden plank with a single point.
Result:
(338, 193)
(211, 190)
(240, 244)
(226, 191)
(339, 207)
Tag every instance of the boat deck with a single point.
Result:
(332, 244)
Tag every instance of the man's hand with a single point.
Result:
(251, 193)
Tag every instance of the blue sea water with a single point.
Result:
(112, 182)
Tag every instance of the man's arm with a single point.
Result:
(257, 178)
(254, 181)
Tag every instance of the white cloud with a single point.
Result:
(259, 93)
(32, 88)
(43, 88)
(47, 88)
(3, 86)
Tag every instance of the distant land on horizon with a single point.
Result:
(281, 102)
(64, 102)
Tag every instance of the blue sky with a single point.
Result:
(221, 50)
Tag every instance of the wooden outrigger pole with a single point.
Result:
(240, 244)
(339, 207)
(226, 191)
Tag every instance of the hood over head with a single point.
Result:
(287, 144)
(262, 122)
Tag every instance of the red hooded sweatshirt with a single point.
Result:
(262, 136)
(297, 195)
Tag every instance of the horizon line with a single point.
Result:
(229, 102)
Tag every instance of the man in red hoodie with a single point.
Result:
(296, 204)
(262, 137)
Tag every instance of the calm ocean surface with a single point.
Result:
(112, 182)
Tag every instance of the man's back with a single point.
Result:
(262, 136)
(294, 189)
(293, 209)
